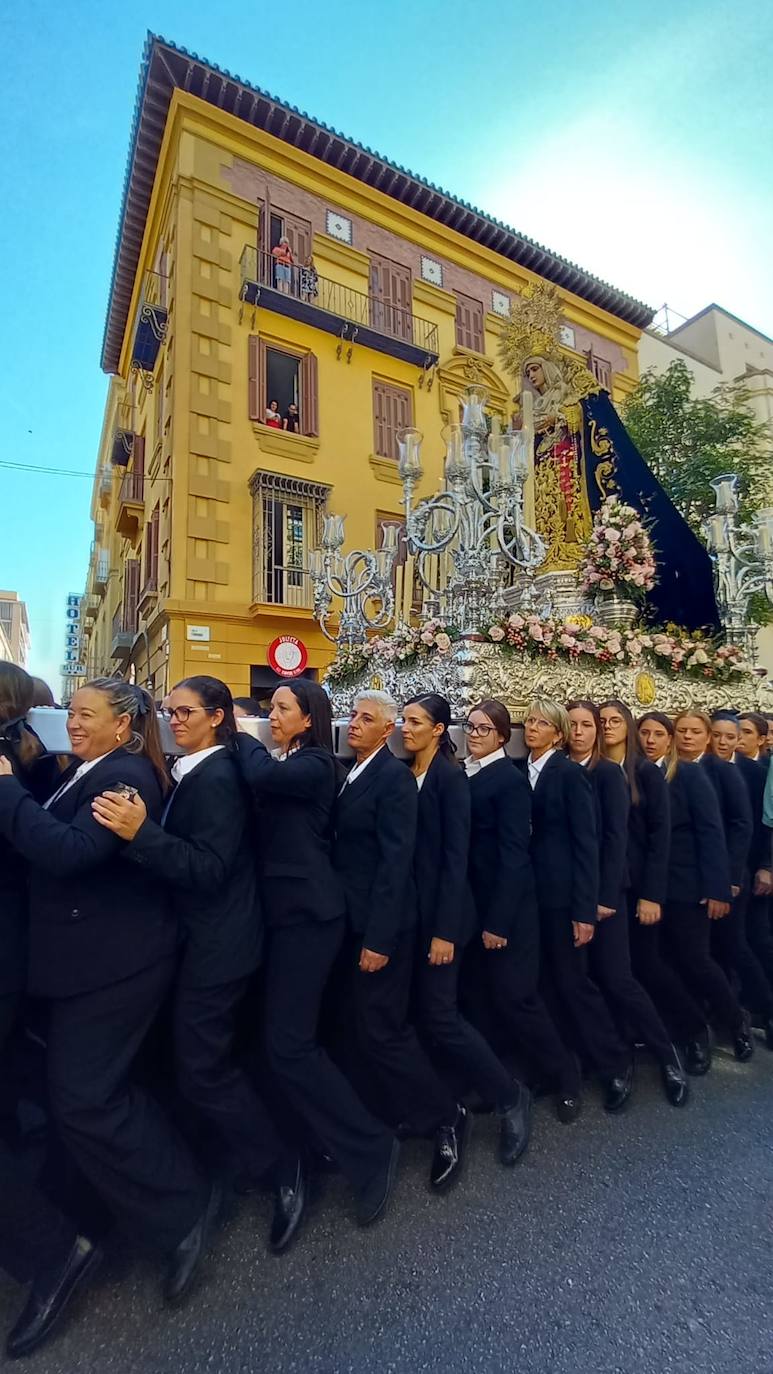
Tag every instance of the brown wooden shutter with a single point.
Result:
(138, 455)
(469, 323)
(253, 378)
(309, 396)
(131, 592)
(298, 231)
(154, 544)
(392, 411)
(380, 405)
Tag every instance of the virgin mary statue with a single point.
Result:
(562, 509)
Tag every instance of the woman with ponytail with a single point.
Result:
(103, 945)
(203, 848)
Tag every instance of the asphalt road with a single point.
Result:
(625, 1245)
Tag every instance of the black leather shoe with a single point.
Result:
(743, 1042)
(185, 1260)
(372, 1202)
(289, 1206)
(618, 1090)
(49, 1296)
(675, 1082)
(448, 1155)
(568, 1108)
(515, 1129)
(697, 1057)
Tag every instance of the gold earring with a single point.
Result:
(118, 738)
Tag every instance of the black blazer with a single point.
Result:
(13, 904)
(698, 864)
(94, 919)
(500, 870)
(649, 834)
(440, 859)
(297, 797)
(206, 853)
(564, 840)
(612, 798)
(754, 774)
(375, 838)
(735, 809)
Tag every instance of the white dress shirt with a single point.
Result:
(420, 779)
(473, 766)
(536, 766)
(187, 762)
(76, 777)
(360, 767)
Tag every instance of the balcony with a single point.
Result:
(125, 623)
(121, 640)
(353, 316)
(101, 565)
(123, 436)
(130, 506)
(150, 330)
(148, 595)
(105, 488)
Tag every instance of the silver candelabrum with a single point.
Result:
(465, 542)
(743, 561)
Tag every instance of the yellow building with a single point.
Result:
(204, 513)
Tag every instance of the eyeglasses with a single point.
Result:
(612, 720)
(537, 720)
(183, 713)
(482, 730)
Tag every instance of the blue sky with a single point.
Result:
(634, 139)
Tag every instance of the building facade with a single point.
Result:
(16, 629)
(390, 303)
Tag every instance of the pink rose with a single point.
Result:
(443, 642)
(535, 632)
(496, 633)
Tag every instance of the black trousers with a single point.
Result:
(439, 1018)
(389, 1043)
(34, 1236)
(567, 969)
(299, 963)
(732, 951)
(759, 932)
(609, 958)
(687, 934)
(117, 1134)
(508, 980)
(678, 1009)
(211, 1080)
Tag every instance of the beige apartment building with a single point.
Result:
(14, 628)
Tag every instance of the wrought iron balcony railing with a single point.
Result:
(356, 316)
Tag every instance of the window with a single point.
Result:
(151, 552)
(298, 231)
(131, 591)
(601, 369)
(392, 411)
(286, 376)
(287, 520)
(469, 323)
(398, 572)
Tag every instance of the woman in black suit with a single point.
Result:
(609, 953)
(698, 885)
(204, 849)
(447, 917)
(305, 915)
(102, 954)
(692, 736)
(505, 960)
(565, 856)
(649, 844)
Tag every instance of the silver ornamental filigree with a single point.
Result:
(743, 561)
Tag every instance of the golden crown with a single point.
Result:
(532, 329)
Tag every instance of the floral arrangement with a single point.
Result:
(619, 552)
(406, 646)
(672, 650)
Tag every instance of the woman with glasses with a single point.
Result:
(103, 945)
(306, 918)
(649, 844)
(609, 952)
(447, 918)
(203, 849)
(698, 885)
(505, 960)
(565, 855)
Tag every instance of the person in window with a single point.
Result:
(306, 919)
(273, 417)
(292, 420)
(283, 265)
(609, 954)
(203, 848)
(103, 947)
(503, 965)
(309, 280)
(447, 918)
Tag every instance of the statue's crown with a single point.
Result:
(533, 327)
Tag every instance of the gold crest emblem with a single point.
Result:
(645, 689)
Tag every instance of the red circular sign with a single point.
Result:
(288, 656)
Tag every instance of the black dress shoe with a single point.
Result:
(697, 1056)
(743, 1042)
(185, 1260)
(448, 1155)
(50, 1294)
(289, 1206)
(372, 1201)
(515, 1129)
(675, 1082)
(618, 1090)
(568, 1108)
